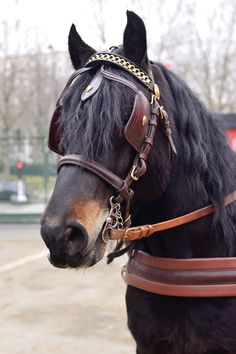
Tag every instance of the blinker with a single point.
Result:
(54, 137)
(136, 128)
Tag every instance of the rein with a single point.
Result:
(137, 232)
(206, 277)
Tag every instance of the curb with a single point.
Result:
(20, 218)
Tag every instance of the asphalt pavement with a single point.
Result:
(48, 310)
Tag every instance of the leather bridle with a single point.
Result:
(139, 132)
(142, 270)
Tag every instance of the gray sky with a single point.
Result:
(53, 18)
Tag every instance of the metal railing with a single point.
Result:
(27, 171)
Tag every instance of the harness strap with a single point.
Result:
(195, 277)
(137, 232)
(116, 182)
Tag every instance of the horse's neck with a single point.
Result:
(196, 239)
(212, 166)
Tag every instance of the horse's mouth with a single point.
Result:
(87, 259)
(63, 261)
(69, 263)
(56, 262)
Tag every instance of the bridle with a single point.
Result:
(139, 132)
(143, 271)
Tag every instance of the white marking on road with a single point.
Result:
(21, 261)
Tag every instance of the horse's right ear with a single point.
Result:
(78, 49)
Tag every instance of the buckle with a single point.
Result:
(126, 236)
(135, 178)
(162, 112)
(157, 92)
(155, 96)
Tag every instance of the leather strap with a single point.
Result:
(137, 232)
(196, 277)
(115, 59)
(93, 166)
(70, 82)
(93, 86)
(113, 77)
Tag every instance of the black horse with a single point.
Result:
(202, 172)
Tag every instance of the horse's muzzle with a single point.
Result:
(67, 243)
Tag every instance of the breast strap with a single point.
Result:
(195, 277)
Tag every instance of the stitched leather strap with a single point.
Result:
(138, 232)
(93, 166)
(208, 277)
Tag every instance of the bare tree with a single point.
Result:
(201, 45)
(10, 73)
(30, 83)
(207, 56)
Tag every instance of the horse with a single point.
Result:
(140, 148)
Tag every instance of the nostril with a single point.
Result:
(76, 239)
(73, 242)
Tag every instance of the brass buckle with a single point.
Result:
(135, 178)
(125, 238)
(162, 110)
(157, 92)
(127, 222)
(155, 95)
(153, 99)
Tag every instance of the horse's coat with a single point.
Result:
(203, 172)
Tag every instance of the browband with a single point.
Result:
(128, 65)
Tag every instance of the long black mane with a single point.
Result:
(210, 163)
(204, 145)
(89, 127)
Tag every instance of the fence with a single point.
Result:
(29, 160)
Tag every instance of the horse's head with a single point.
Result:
(104, 125)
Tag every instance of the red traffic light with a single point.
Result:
(168, 65)
(19, 165)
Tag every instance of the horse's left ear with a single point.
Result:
(135, 43)
(78, 49)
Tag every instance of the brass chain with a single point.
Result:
(132, 68)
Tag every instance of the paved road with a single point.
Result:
(46, 310)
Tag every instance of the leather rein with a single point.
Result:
(208, 277)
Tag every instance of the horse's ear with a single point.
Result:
(135, 43)
(78, 49)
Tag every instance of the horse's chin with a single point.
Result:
(89, 257)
